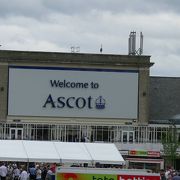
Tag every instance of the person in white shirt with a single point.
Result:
(24, 175)
(3, 172)
(49, 174)
(38, 172)
(16, 173)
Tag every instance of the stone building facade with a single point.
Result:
(125, 118)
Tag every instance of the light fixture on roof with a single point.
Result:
(75, 49)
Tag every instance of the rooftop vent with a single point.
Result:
(132, 44)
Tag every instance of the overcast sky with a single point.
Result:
(56, 25)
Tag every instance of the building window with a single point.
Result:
(128, 136)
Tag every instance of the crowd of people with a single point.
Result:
(170, 174)
(15, 171)
(46, 171)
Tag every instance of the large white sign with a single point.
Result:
(72, 92)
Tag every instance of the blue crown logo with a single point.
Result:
(100, 103)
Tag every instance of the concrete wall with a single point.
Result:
(144, 95)
(141, 63)
(3, 91)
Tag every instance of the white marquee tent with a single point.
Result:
(59, 152)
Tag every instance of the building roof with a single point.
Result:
(36, 57)
(164, 99)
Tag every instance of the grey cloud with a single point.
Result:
(113, 6)
(42, 8)
(56, 25)
(31, 8)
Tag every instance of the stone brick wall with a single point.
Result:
(26, 58)
(143, 95)
(3, 91)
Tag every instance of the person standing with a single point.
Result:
(32, 172)
(44, 173)
(49, 174)
(3, 171)
(38, 173)
(16, 173)
(176, 176)
(24, 174)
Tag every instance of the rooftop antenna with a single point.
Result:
(101, 49)
(141, 44)
(132, 44)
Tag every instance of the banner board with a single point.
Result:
(72, 176)
(104, 174)
(144, 153)
(72, 92)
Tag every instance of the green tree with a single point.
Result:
(170, 145)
